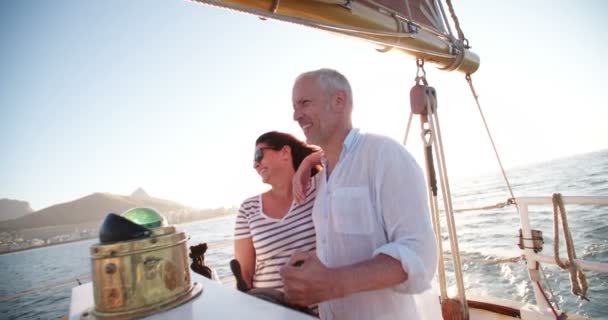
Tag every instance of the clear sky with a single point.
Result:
(169, 95)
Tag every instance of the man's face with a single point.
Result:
(311, 110)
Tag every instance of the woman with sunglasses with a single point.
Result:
(271, 226)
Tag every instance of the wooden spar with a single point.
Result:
(380, 25)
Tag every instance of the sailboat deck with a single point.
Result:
(215, 302)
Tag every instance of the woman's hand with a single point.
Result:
(301, 179)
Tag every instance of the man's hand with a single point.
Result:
(307, 281)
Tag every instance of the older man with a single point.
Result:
(375, 246)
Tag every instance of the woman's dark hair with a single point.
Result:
(299, 149)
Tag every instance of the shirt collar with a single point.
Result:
(351, 139)
(349, 143)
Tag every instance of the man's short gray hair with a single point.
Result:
(330, 81)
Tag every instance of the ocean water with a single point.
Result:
(36, 284)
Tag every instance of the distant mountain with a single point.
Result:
(92, 208)
(140, 194)
(12, 209)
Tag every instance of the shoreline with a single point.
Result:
(95, 237)
(46, 245)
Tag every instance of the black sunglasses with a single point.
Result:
(259, 154)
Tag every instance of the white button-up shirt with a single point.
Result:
(374, 202)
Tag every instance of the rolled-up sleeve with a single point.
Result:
(401, 201)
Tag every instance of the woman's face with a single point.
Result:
(265, 161)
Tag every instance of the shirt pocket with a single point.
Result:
(351, 211)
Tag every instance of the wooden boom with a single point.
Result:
(416, 28)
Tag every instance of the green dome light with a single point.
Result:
(145, 217)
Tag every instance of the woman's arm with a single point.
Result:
(245, 254)
(301, 179)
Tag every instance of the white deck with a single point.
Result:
(215, 302)
(219, 301)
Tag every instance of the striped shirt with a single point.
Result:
(275, 240)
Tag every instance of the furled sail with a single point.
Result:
(417, 27)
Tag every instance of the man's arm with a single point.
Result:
(401, 191)
(312, 282)
(380, 272)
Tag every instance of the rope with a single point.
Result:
(461, 36)
(445, 20)
(540, 288)
(433, 120)
(432, 192)
(485, 123)
(447, 202)
(553, 297)
(437, 228)
(409, 12)
(407, 130)
(578, 281)
(499, 205)
(459, 45)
